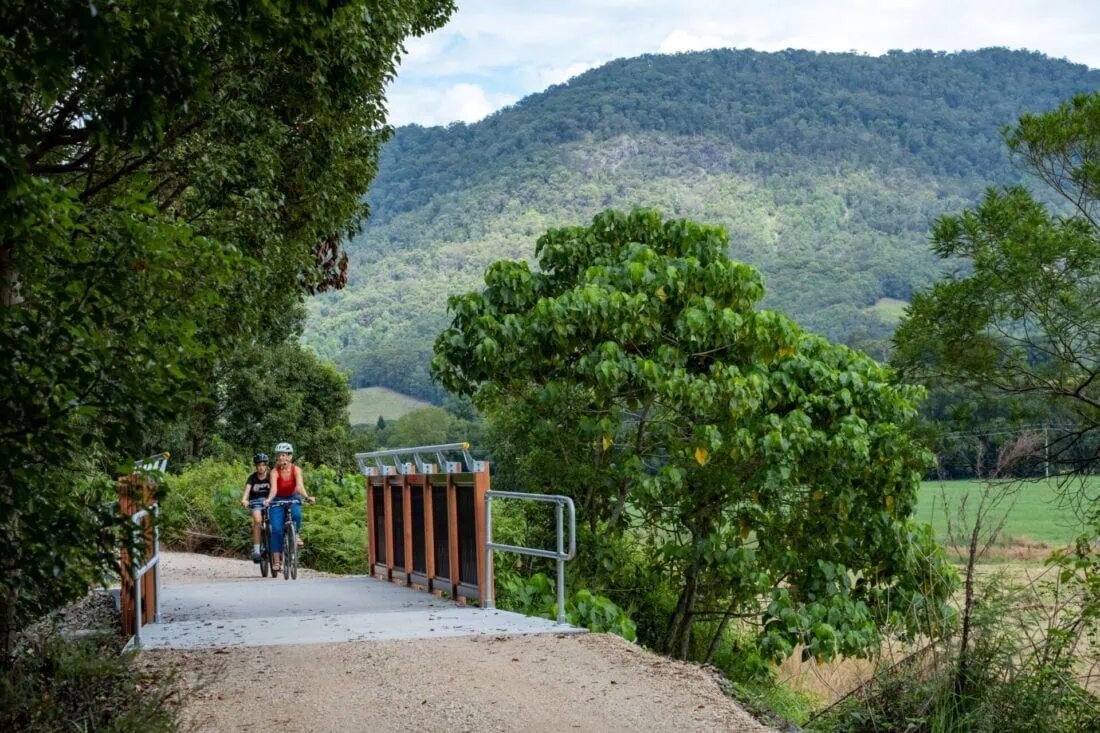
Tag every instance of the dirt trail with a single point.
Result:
(590, 682)
(593, 682)
(183, 568)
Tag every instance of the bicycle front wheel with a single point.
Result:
(265, 550)
(290, 549)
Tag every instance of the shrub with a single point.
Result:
(535, 596)
(1024, 667)
(188, 516)
(59, 684)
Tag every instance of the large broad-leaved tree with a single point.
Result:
(771, 470)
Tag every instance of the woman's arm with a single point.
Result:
(274, 478)
(244, 496)
(300, 488)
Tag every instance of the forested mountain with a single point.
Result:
(827, 169)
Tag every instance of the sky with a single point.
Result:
(494, 52)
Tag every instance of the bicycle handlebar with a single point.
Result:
(286, 502)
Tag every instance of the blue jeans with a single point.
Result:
(278, 518)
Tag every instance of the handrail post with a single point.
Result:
(156, 567)
(561, 562)
(489, 580)
(137, 605)
(560, 555)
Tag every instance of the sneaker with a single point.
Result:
(256, 557)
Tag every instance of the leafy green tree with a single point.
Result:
(771, 469)
(381, 424)
(429, 426)
(1019, 318)
(173, 177)
(285, 393)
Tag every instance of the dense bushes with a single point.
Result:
(59, 684)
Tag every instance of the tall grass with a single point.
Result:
(1023, 656)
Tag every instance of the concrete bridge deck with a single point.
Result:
(320, 610)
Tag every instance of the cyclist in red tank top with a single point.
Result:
(288, 483)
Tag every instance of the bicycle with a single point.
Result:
(265, 542)
(290, 541)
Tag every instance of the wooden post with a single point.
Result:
(481, 485)
(126, 598)
(149, 580)
(130, 487)
(387, 500)
(407, 525)
(452, 532)
(429, 532)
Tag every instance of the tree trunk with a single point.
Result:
(196, 444)
(9, 278)
(9, 598)
(718, 634)
(962, 673)
(9, 591)
(679, 638)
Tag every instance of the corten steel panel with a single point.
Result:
(416, 514)
(441, 535)
(368, 510)
(387, 494)
(397, 526)
(467, 535)
(378, 528)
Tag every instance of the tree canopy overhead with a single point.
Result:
(174, 176)
(771, 469)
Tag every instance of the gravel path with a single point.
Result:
(184, 568)
(593, 682)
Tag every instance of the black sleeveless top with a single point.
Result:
(258, 488)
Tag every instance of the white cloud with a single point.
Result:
(495, 51)
(461, 102)
(548, 76)
(680, 40)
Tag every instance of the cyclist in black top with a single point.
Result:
(258, 490)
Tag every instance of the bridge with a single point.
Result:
(414, 645)
(430, 557)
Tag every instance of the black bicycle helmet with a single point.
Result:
(260, 458)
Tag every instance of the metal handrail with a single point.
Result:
(152, 564)
(158, 462)
(398, 467)
(561, 556)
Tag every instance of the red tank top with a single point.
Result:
(285, 487)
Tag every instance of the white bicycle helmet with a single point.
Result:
(284, 448)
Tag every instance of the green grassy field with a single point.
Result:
(889, 309)
(368, 403)
(1034, 514)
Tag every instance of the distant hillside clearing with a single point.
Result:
(370, 402)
